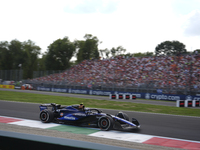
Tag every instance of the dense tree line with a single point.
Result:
(25, 55)
(18, 54)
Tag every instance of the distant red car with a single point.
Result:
(27, 87)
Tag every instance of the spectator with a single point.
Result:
(158, 72)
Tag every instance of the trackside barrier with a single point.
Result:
(127, 96)
(196, 103)
(133, 96)
(7, 86)
(122, 96)
(187, 103)
(154, 96)
(113, 96)
(180, 103)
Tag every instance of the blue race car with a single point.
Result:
(86, 117)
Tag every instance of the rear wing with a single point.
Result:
(52, 106)
(47, 105)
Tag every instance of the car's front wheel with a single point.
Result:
(105, 123)
(46, 116)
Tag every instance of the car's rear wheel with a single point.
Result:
(105, 123)
(46, 116)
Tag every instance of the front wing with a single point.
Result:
(122, 124)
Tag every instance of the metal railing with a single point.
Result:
(12, 75)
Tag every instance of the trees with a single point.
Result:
(59, 54)
(107, 52)
(113, 51)
(117, 51)
(197, 51)
(143, 54)
(5, 56)
(30, 56)
(170, 48)
(16, 54)
(87, 49)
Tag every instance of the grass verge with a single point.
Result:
(38, 98)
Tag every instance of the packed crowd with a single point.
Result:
(159, 72)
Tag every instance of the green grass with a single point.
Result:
(39, 98)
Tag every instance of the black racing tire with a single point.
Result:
(105, 123)
(46, 116)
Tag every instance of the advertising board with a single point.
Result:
(7, 86)
(154, 96)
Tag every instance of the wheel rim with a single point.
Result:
(44, 116)
(104, 123)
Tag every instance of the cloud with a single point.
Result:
(183, 7)
(192, 27)
(92, 6)
(127, 23)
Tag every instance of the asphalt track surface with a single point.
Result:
(182, 127)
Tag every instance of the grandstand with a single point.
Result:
(170, 74)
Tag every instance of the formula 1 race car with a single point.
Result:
(89, 117)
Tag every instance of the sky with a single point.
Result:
(136, 25)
